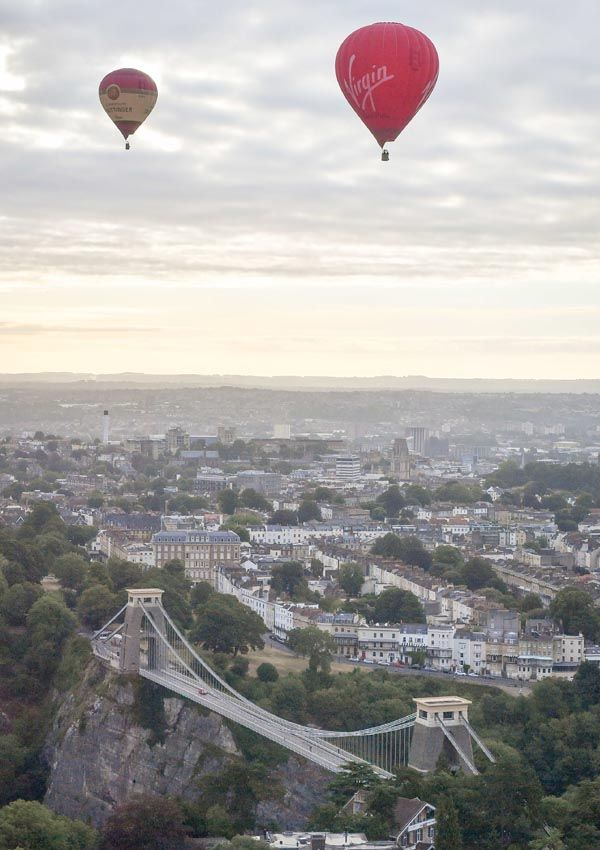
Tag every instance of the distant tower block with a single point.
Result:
(400, 460)
(442, 729)
(419, 438)
(282, 431)
(105, 428)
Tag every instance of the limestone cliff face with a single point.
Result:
(99, 756)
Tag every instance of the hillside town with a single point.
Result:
(307, 529)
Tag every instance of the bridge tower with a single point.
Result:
(151, 600)
(442, 729)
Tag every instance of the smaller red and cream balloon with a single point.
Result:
(128, 97)
(386, 72)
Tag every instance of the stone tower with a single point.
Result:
(129, 658)
(400, 460)
(442, 729)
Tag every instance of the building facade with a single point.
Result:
(200, 551)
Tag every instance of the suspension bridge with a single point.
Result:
(142, 639)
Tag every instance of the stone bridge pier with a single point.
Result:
(138, 602)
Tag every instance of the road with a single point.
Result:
(509, 685)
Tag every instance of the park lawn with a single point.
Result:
(286, 662)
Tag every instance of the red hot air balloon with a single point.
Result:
(128, 97)
(386, 72)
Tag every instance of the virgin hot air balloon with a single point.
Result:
(128, 97)
(386, 72)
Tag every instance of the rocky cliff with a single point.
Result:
(100, 754)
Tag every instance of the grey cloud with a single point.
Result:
(281, 152)
(10, 329)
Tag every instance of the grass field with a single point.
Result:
(285, 662)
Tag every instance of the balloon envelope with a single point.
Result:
(386, 72)
(128, 97)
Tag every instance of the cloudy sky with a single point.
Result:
(253, 229)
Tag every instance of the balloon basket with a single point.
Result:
(385, 155)
(127, 146)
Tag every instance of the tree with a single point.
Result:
(201, 593)
(184, 503)
(448, 556)
(316, 568)
(145, 822)
(587, 684)
(317, 645)
(309, 511)
(530, 602)
(31, 826)
(79, 535)
(123, 573)
(478, 573)
(417, 495)
(551, 840)
(353, 777)
(395, 605)
(408, 549)
(448, 835)
(392, 501)
(225, 625)
(95, 500)
(227, 500)
(13, 757)
(351, 579)
(50, 620)
(17, 601)
(576, 610)
(288, 699)
(267, 672)
(249, 498)
(457, 493)
(97, 605)
(241, 530)
(289, 578)
(44, 518)
(283, 517)
(219, 822)
(71, 571)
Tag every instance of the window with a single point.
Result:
(448, 715)
(422, 714)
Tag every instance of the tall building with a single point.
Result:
(200, 551)
(400, 460)
(282, 431)
(267, 483)
(105, 427)
(347, 467)
(419, 437)
(177, 439)
(226, 434)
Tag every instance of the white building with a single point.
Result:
(440, 649)
(279, 534)
(388, 644)
(469, 652)
(347, 468)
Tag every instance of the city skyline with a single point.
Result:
(252, 228)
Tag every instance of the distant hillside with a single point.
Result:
(314, 383)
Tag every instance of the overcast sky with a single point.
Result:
(253, 229)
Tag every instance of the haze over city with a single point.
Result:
(252, 228)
